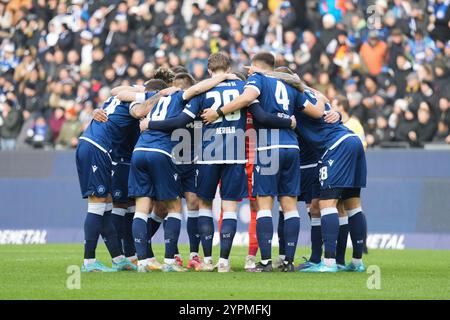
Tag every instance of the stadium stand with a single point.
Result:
(59, 59)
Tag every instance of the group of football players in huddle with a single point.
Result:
(268, 137)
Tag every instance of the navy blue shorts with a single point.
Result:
(188, 173)
(94, 170)
(281, 177)
(120, 173)
(310, 186)
(344, 166)
(232, 178)
(153, 175)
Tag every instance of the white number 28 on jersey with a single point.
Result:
(221, 99)
(281, 95)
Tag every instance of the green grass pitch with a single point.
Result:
(40, 272)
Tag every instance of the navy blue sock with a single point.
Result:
(264, 233)
(291, 231)
(357, 225)
(171, 234)
(192, 231)
(316, 241)
(153, 224)
(118, 220)
(342, 240)
(110, 236)
(206, 230)
(280, 230)
(92, 228)
(227, 232)
(128, 241)
(140, 234)
(330, 231)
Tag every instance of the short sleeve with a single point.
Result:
(254, 82)
(183, 101)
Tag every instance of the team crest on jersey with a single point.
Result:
(101, 189)
(94, 168)
(330, 162)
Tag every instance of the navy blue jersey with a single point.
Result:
(319, 134)
(224, 139)
(280, 99)
(159, 141)
(119, 134)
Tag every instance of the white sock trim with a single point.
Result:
(89, 261)
(229, 215)
(97, 208)
(263, 214)
(119, 211)
(118, 258)
(109, 206)
(155, 217)
(327, 211)
(205, 213)
(329, 262)
(343, 221)
(315, 222)
(141, 215)
(291, 214)
(169, 261)
(192, 213)
(175, 215)
(308, 210)
(131, 209)
(352, 212)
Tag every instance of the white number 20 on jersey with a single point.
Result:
(281, 95)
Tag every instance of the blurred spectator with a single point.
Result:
(39, 135)
(56, 121)
(70, 131)
(10, 124)
(381, 134)
(343, 107)
(373, 53)
(426, 125)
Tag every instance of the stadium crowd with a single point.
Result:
(59, 59)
